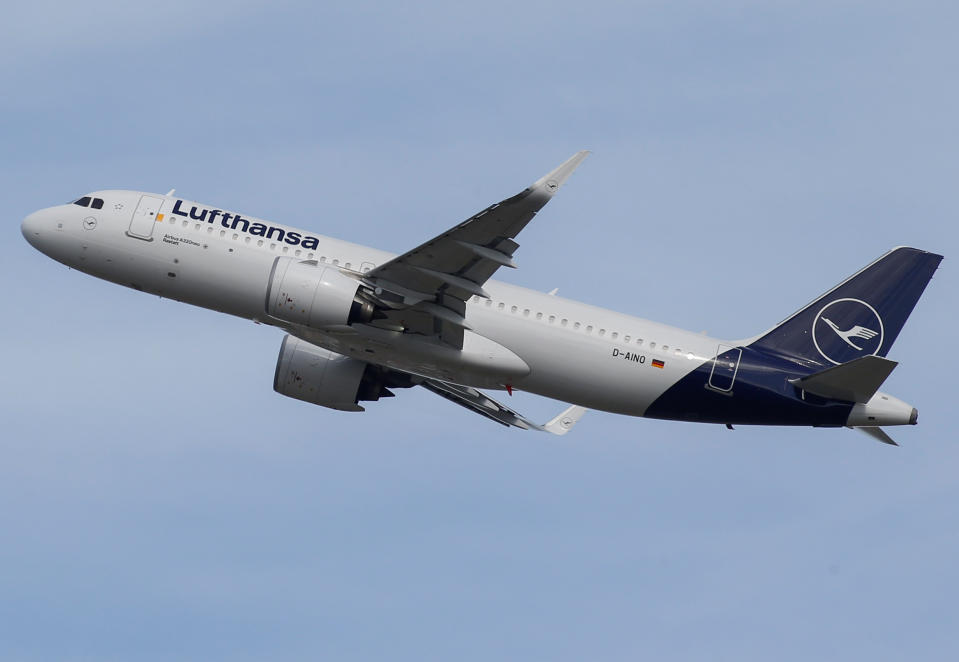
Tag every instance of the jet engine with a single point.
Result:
(313, 374)
(307, 293)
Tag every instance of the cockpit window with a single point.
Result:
(83, 202)
(97, 203)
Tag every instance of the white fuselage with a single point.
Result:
(572, 351)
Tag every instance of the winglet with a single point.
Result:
(565, 421)
(553, 181)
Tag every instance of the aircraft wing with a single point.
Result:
(437, 278)
(482, 404)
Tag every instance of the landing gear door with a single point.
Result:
(725, 367)
(145, 216)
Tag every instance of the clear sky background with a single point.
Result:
(159, 501)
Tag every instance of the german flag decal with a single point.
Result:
(658, 364)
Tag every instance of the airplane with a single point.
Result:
(361, 323)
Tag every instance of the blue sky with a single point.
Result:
(159, 501)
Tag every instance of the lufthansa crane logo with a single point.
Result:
(846, 329)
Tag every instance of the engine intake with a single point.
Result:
(321, 377)
(304, 292)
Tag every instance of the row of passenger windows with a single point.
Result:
(298, 252)
(579, 326)
(550, 319)
(87, 201)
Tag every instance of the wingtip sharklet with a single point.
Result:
(565, 421)
(553, 181)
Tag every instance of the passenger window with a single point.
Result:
(513, 310)
(83, 202)
(489, 302)
(552, 318)
(602, 332)
(564, 322)
(539, 316)
(526, 313)
(652, 345)
(615, 335)
(625, 338)
(259, 242)
(589, 329)
(576, 325)
(501, 306)
(97, 203)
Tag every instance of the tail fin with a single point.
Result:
(861, 316)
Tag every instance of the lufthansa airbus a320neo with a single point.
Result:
(361, 322)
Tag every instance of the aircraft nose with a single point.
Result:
(31, 228)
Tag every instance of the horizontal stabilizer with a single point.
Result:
(855, 381)
(878, 434)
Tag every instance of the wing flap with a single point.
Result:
(480, 403)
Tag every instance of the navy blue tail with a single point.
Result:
(863, 315)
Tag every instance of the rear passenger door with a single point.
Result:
(725, 367)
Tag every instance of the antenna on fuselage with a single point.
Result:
(171, 192)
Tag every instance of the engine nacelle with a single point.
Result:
(313, 295)
(316, 375)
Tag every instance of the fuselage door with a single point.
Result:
(145, 216)
(725, 366)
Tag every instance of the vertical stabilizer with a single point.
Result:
(862, 316)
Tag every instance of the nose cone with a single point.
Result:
(31, 229)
